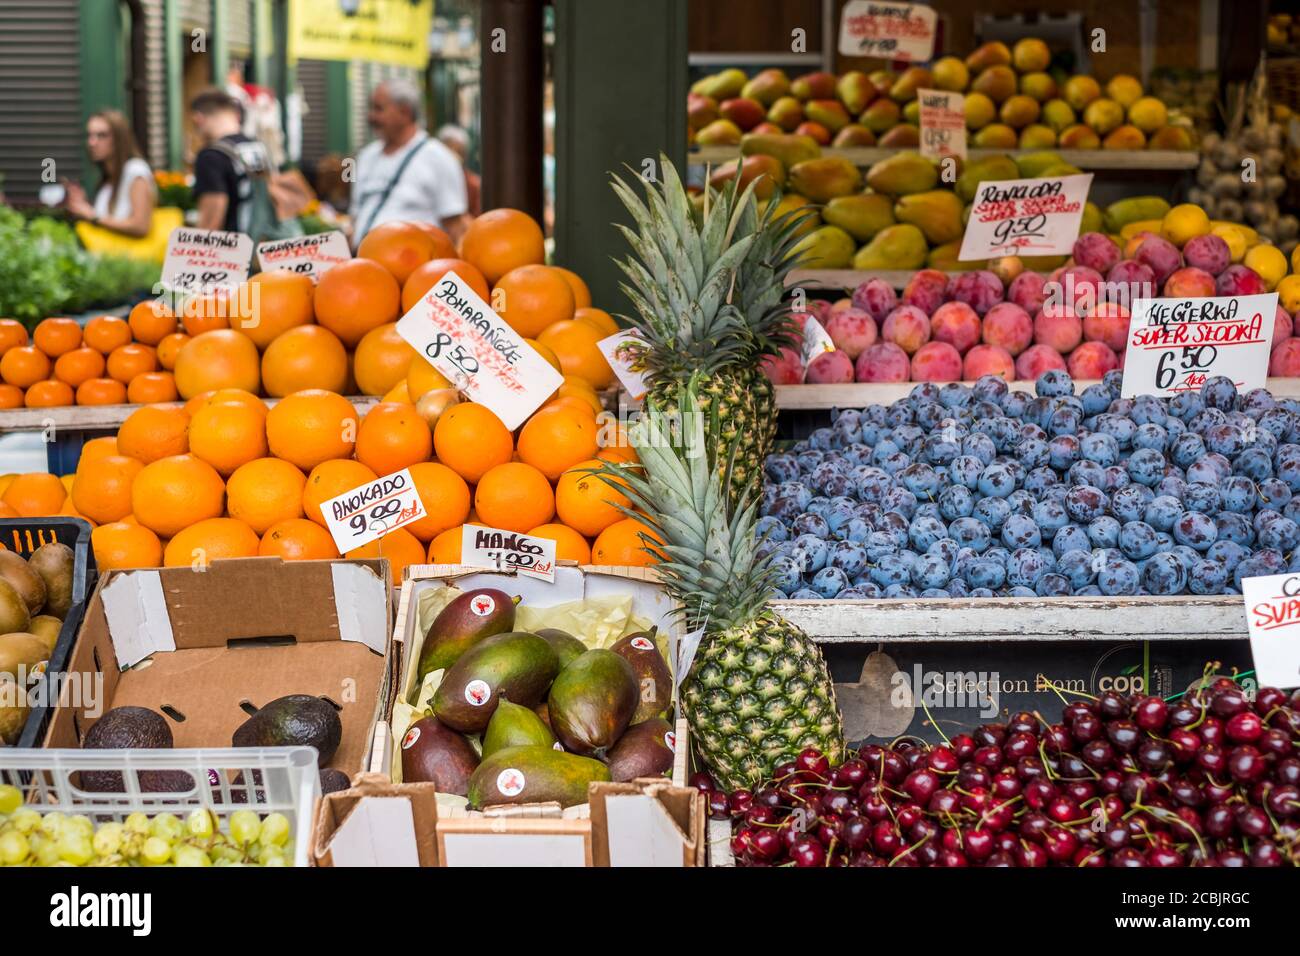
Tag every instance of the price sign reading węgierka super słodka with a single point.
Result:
(1025, 217)
(478, 352)
(203, 260)
(1174, 345)
(372, 510)
(483, 547)
(1273, 620)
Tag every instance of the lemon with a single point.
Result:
(1184, 222)
(1288, 292)
(1295, 259)
(1234, 237)
(1269, 262)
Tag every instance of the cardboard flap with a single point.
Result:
(376, 823)
(530, 811)
(137, 616)
(357, 592)
(647, 822)
(519, 843)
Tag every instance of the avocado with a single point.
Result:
(653, 678)
(434, 753)
(565, 645)
(464, 622)
(297, 720)
(332, 780)
(645, 750)
(14, 615)
(533, 775)
(53, 563)
(24, 580)
(517, 665)
(515, 726)
(132, 728)
(592, 702)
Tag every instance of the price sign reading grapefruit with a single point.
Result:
(307, 255)
(894, 31)
(1273, 619)
(483, 547)
(202, 260)
(1175, 345)
(1025, 217)
(478, 352)
(370, 511)
(943, 123)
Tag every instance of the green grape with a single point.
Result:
(187, 855)
(156, 850)
(75, 848)
(277, 860)
(48, 854)
(52, 823)
(11, 798)
(13, 848)
(244, 826)
(137, 823)
(168, 826)
(80, 823)
(108, 839)
(275, 829)
(25, 820)
(200, 824)
(226, 854)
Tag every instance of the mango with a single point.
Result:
(814, 86)
(1171, 137)
(1079, 91)
(646, 750)
(1103, 115)
(984, 169)
(1043, 263)
(944, 258)
(1124, 137)
(1078, 136)
(766, 171)
(980, 110)
(998, 83)
(654, 679)
(830, 113)
(909, 81)
(861, 216)
(788, 148)
(592, 702)
(767, 86)
(902, 136)
(995, 136)
(950, 73)
(827, 247)
(856, 91)
(746, 114)
(995, 53)
(720, 132)
(854, 135)
(787, 113)
(937, 213)
(896, 247)
(515, 726)
(1031, 165)
(700, 111)
(434, 753)
(882, 80)
(565, 645)
(912, 112)
(1019, 111)
(880, 116)
(1148, 114)
(468, 619)
(821, 180)
(1091, 220)
(1059, 115)
(1040, 86)
(534, 775)
(721, 86)
(903, 173)
(516, 665)
(1030, 55)
(1124, 89)
(1037, 136)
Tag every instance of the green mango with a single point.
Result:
(903, 173)
(789, 148)
(592, 702)
(565, 645)
(827, 247)
(937, 213)
(518, 665)
(534, 775)
(821, 180)
(1031, 165)
(985, 169)
(898, 247)
(515, 726)
(861, 216)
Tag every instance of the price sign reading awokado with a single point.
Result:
(1174, 345)
(482, 547)
(1025, 217)
(308, 255)
(472, 346)
(1273, 619)
(894, 31)
(370, 511)
(200, 260)
(943, 123)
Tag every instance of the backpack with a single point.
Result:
(259, 218)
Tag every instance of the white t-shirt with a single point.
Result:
(431, 187)
(135, 168)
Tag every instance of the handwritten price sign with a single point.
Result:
(486, 359)
(621, 352)
(895, 31)
(816, 340)
(1273, 620)
(1025, 217)
(482, 547)
(370, 511)
(1174, 345)
(307, 255)
(943, 123)
(202, 260)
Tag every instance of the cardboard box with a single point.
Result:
(206, 648)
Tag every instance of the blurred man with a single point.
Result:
(457, 140)
(405, 174)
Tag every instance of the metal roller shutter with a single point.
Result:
(239, 21)
(315, 124)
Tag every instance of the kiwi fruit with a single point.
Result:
(53, 563)
(14, 615)
(47, 628)
(21, 650)
(24, 580)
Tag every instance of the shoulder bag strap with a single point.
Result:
(392, 184)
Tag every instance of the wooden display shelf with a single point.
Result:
(1129, 160)
(846, 280)
(87, 418)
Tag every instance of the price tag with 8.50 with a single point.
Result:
(483, 547)
(370, 511)
(202, 260)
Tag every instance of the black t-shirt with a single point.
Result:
(224, 167)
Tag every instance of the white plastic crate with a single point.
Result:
(265, 779)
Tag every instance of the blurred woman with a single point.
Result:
(125, 199)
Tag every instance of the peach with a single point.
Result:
(1239, 280)
(1058, 328)
(1285, 362)
(877, 298)
(1189, 283)
(1026, 291)
(907, 327)
(783, 369)
(1009, 326)
(1108, 323)
(1096, 251)
(1136, 280)
(989, 360)
(957, 324)
(852, 330)
(1208, 252)
(839, 305)
(830, 368)
(927, 290)
(1161, 255)
(883, 362)
(936, 362)
(1091, 360)
(1036, 360)
(981, 290)
(1283, 327)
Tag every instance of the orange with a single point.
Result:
(616, 446)
(6, 512)
(96, 449)
(573, 402)
(12, 334)
(154, 432)
(152, 387)
(399, 393)
(49, 394)
(312, 426)
(586, 502)
(445, 549)
(330, 479)
(308, 356)
(264, 492)
(400, 247)
(581, 294)
(354, 297)
(501, 240)
(569, 545)
(169, 348)
(173, 493)
(122, 545)
(127, 361)
(79, 365)
(151, 322)
(102, 488)
(211, 540)
(530, 298)
(106, 332)
(557, 438)
(545, 353)
(271, 303)
(392, 437)
(227, 435)
(11, 396)
(621, 543)
(35, 495)
(599, 319)
(422, 377)
(470, 440)
(222, 358)
(236, 395)
(574, 344)
(298, 540)
(56, 336)
(514, 496)
(101, 391)
(400, 548)
(24, 366)
(445, 497)
(443, 247)
(430, 274)
(382, 360)
(207, 312)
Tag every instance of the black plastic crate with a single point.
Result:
(23, 536)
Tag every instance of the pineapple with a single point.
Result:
(758, 690)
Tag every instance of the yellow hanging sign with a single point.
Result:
(378, 31)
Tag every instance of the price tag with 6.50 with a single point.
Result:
(483, 547)
(1025, 217)
(201, 260)
(311, 256)
(370, 511)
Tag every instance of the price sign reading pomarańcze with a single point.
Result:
(483, 547)
(893, 31)
(478, 352)
(370, 511)
(201, 260)
(1273, 620)
(1175, 345)
(1025, 217)
(307, 255)
(943, 123)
